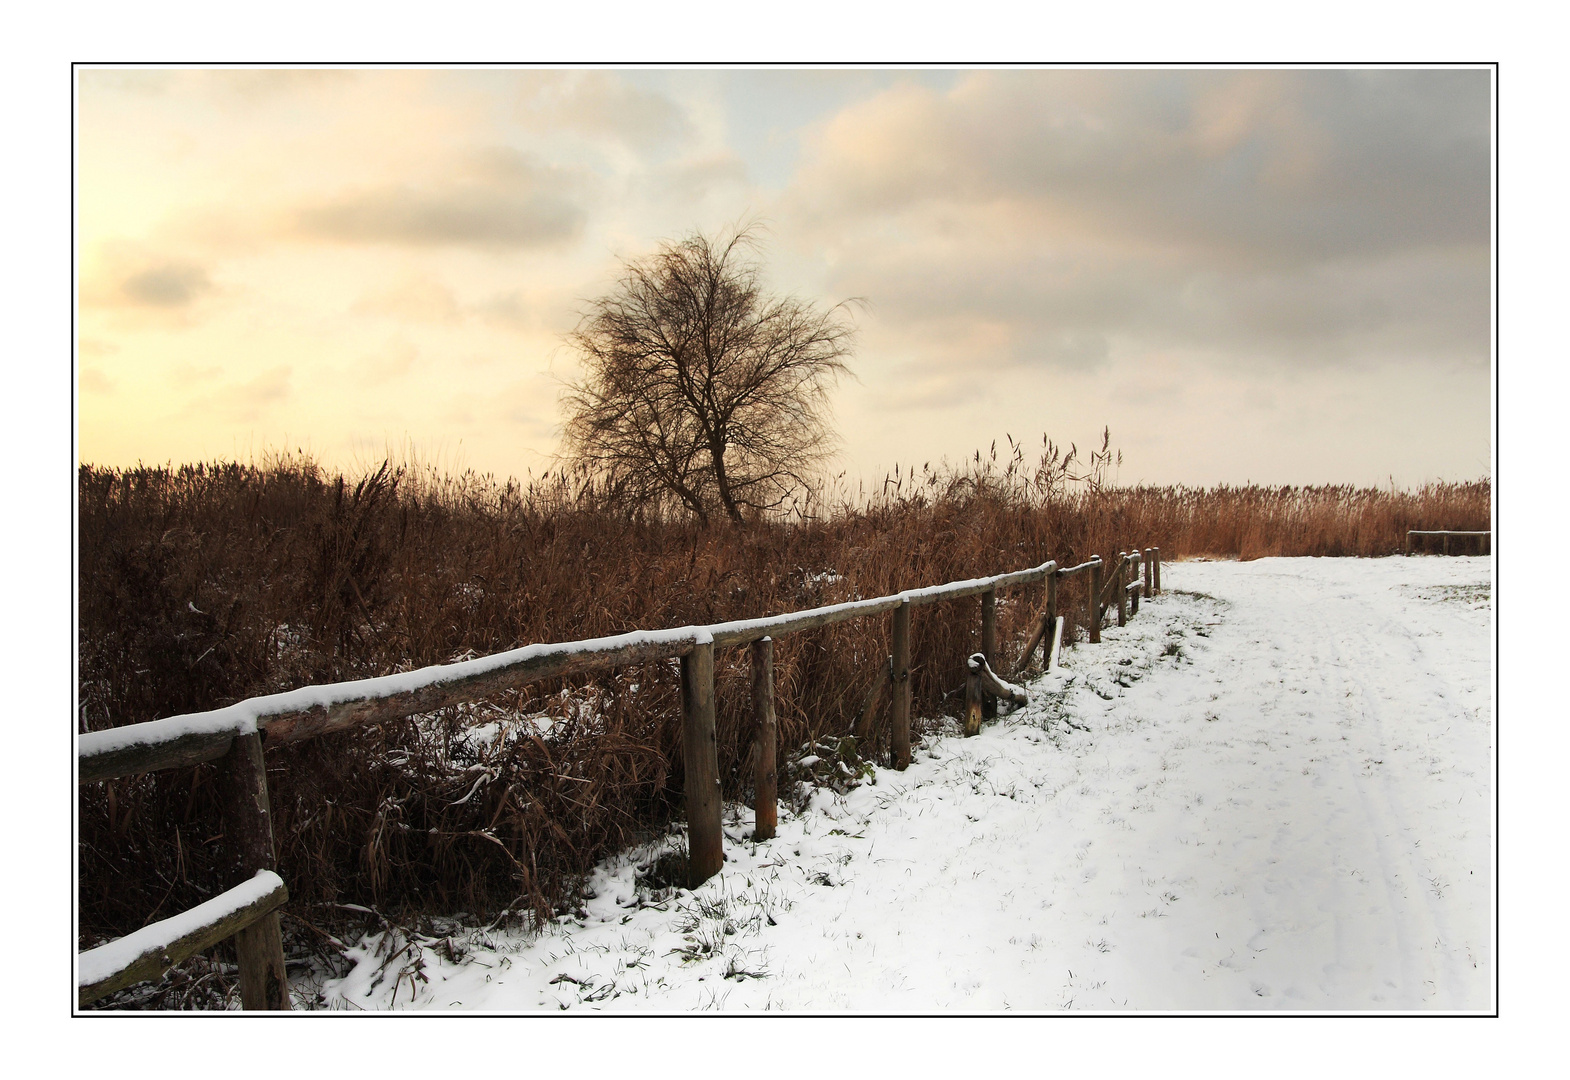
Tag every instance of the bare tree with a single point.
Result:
(699, 387)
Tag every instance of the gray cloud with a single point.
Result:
(167, 285)
(1259, 166)
(1055, 218)
(496, 199)
(1065, 311)
(133, 278)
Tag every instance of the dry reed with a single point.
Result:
(204, 584)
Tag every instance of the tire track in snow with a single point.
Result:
(1414, 876)
(1367, 662)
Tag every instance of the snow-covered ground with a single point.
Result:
(1271, 791)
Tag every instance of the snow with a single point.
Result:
(98, 964)
(979, 660)
(1272, 790)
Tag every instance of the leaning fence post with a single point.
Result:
(899, 708)
(1093, 606)
(989, 645)
(700, 758)
(248, 828)
(765, 785)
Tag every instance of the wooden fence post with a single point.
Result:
(1148, 559)
(248, 828)
(989, 645)
(1122, 580)
(765, 800)
(1093, 606)
(1156, 577)
(899, 708)
(700, 757)
(1052, 619)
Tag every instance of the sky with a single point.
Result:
(1280, 276)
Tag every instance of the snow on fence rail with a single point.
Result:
(149, 952)
(234, 736)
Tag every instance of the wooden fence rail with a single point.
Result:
(235, 736)
(154, 949)
(1483, 547)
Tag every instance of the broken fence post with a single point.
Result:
(973, 696)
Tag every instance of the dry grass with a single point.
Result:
(205, 584)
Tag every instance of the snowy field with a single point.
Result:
(1271, 791)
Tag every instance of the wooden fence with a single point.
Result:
(234, 737)
(1484, 543)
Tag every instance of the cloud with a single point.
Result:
(601, 103)
(494, 199)
(172, 284)
(687, 182)
(128, 276)
(1258, 165)
(1060, 219)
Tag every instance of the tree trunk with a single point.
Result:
(722, 482)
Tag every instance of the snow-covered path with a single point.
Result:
(1272, 790)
